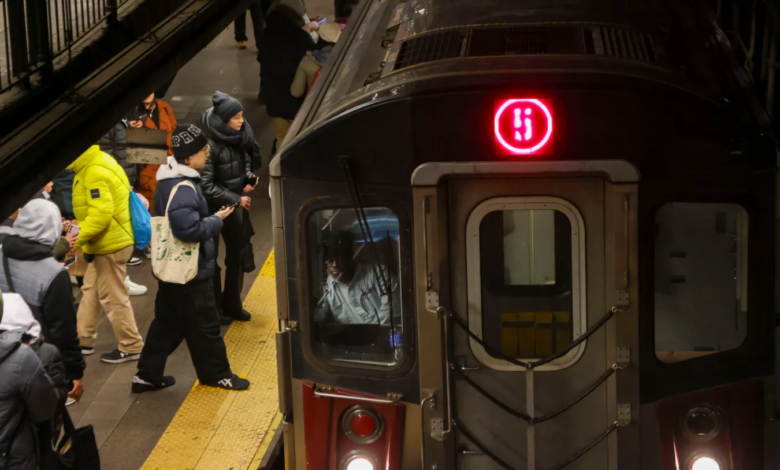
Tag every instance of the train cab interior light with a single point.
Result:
(523, 126)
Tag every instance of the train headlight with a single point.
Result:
(701, 424)
(703, 463)
(361, 463)
(359, 460)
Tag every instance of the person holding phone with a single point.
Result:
(228, 178)
(187, 311)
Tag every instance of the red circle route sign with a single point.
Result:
(523, 126)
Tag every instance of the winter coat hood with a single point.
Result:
(17, 317)
(174, 169)
(40, 221)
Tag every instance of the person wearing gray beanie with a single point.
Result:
(225, 106)
(228, 178)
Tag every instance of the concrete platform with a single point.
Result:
(128, 427)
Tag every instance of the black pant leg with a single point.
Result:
(217, 279)
(199, 317)
(165, 334)
(239, 26)
(233, 235)
(258, 23)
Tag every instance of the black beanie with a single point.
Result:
(225, 106)
(187, 140)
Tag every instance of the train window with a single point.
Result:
(700, 279)
(355, 285)
(527, 293)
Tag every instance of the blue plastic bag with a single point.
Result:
(142, 222)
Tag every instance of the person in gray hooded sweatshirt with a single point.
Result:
(32, 387)
(43, 283)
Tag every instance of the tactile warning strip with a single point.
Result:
(219, 430)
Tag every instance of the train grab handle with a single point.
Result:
(328, 393)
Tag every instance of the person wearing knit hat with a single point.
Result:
(228, 178)
(187, 311)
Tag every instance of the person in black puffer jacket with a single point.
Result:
(187, 311)
(228, 175)
(285, 42)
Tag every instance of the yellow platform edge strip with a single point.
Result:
(215, 429)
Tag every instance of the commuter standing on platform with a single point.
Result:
(153, 114)
(286, 40)
(187, 311)
(239, 25)
(114, 143)
(101, 201)
(228, 175)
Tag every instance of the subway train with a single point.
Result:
(529, 235)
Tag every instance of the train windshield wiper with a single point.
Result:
(379, 273)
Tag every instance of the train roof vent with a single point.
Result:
(623, 43)
(525, 40)
(428, 47)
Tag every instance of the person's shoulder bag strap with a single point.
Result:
(7, 272)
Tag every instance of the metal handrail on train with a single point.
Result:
(470, 436)
(519, 414)
(529, 367)
(532, 365)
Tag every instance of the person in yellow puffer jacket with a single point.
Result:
(101, 203)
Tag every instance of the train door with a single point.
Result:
(537, 312)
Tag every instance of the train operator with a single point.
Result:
(353, 292)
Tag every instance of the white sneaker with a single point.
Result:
(70, 401)
(133, 288)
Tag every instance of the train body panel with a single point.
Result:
(577, 180)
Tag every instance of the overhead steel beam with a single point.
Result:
(41, 147)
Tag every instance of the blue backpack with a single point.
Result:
(142, 222)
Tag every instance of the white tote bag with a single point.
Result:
(173, 260)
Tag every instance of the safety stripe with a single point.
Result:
(214, 428)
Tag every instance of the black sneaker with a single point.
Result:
(241, 315)
(233, 382)
(140, 385)
(117, 357)
(85, 351)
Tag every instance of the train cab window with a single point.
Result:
(355, 286)
(529, 279)
(700, 279)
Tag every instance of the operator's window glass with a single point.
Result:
(526, 282)
(701, 261)
(355, 286)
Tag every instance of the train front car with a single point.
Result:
(527, 235)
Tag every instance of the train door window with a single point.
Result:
(355, 286)
(700, 279)
(526, 279)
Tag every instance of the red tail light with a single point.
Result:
(362, 425)
(348, 434)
